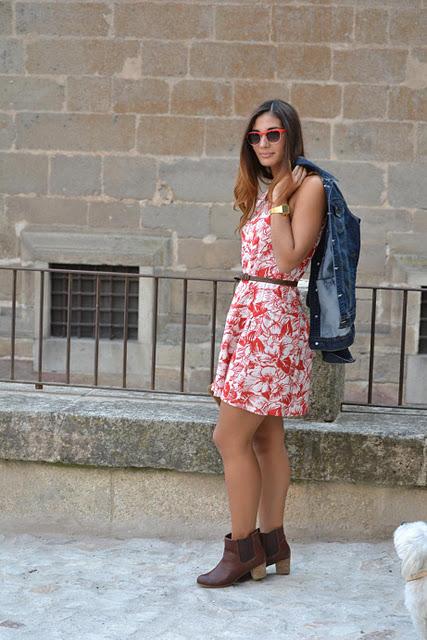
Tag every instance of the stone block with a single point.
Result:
(312, 24)
(407, 185)
(420, 221)
(304, 62)
(112, 246)
(114, 215)
(88, 93)
(201, 98)
(7, 131)
(327, 390)
(5, 18)
(204, 180)
(174, 432)
(149, 95)
(8, 240)
(170, 135)
(232, 60)
(129, 177)
(316, 100)
(23, 173)
(317, 138)
(249, 92)
(377, 223)
(166, 21)
(406, 243)
(103, 57)
(372, 259)
(422, 141)
(371, 26)
(11, 55)
(369, 65)
(373, 140)
(407, 104)
(237, 23)
(75, 175)
(196, 254)
(27, 93)
(75, 131)
(408, 27)
(164, 58)
(223, 221)
(224, 136)
(360, 102)
(363, 183)
(187, 220)
(44, 210)
(63, 19)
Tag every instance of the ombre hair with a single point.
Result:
(251, 171)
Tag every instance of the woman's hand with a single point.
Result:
(287, 185)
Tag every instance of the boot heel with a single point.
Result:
(283, 566)
(259, 572)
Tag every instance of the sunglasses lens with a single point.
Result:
(273, 136)
(253, 138)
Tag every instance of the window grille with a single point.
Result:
(83, 291)
(422, 344)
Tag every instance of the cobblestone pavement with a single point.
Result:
(89, 588)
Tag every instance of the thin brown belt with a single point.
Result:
(247, 276)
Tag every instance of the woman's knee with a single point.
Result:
(269, 438)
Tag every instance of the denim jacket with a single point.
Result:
(331, 296)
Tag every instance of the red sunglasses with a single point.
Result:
(273, 135)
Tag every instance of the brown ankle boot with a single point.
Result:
(277, 550)
(244, 555)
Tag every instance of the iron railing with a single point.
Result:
(41, 381)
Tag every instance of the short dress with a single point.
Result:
(264, 361)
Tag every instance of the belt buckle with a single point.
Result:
(245, 276)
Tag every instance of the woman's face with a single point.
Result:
(269, 154)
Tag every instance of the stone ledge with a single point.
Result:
(170, 431)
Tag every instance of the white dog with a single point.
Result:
(410, 541)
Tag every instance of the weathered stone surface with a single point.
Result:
(175, 432)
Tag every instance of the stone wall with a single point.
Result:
(127, 117)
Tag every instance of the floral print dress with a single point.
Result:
(264, 361)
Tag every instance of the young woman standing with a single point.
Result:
(264, 364)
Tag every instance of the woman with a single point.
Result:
(264, 364)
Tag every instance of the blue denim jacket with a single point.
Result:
(331, 296)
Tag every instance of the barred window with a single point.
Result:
(83, 290)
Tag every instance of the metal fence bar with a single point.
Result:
(69, 312)
(40, 350)
(372, 344)
(402, 346)
(96, 355)
(13, 327)
(183, 333)
(213, 329)
(125, 332)
(39, 383)
(154, 333)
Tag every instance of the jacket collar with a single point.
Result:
(305, 162)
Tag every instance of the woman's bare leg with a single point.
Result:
(272, 456)
(233, 438)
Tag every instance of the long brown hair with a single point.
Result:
(251, 170)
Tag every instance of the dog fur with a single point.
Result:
(410, 542)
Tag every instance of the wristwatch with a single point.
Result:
(283, 209)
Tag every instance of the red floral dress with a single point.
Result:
(264, 361)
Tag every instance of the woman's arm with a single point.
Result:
(292, 239)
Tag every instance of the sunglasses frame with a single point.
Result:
(264, 133)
